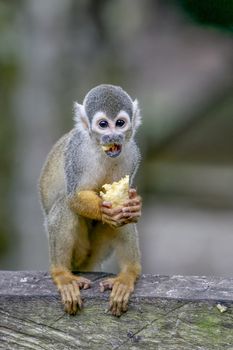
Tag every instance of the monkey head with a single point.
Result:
(110, 117)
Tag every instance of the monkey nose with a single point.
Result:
(110, 139)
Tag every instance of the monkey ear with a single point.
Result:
(137, 119)
(80, 117)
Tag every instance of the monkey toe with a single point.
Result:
(119, 299)
(116, 307)
(125, 302)
(82, 282)
(71, 298)
(106, 284)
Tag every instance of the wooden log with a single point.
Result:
(165, 313)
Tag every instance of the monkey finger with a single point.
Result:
(116, 221)
(111, 212)
(118, 224)
(132, 218)
(131, 215)
(111, 222)
(123, 221)
(137, 214)
(128, 215)
(107, 204)
(115, 225)
(132, 202)
(118, 217)
(133, 209)
(132, 193)
(106, 219)
(129, 219)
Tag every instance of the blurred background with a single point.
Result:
(176, 57)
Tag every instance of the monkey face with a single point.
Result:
(111, 134)
(109, 116)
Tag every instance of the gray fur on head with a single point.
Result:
(109, 99)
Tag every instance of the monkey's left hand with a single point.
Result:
(128, 213)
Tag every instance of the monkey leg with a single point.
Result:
(128, 256)
(101, 239)
(62, 225)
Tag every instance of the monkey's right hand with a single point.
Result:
(112, 216)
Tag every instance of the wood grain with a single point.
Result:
(165, 312)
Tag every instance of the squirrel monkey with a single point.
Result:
(82, 228)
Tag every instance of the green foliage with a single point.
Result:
(217, 13)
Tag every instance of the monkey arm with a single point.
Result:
(87, 203)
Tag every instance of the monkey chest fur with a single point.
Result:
(100, 170)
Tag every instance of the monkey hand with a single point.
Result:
(128, 213)
(112, 216)
(132, 208)
(122, 287)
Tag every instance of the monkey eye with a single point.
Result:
(120, 123)
(103, 124)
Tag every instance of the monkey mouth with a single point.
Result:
(112, 150)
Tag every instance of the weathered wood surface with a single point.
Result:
(165, 313)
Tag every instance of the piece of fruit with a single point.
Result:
(117, 192)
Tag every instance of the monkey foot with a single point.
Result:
(119, 297)
(70, 292)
